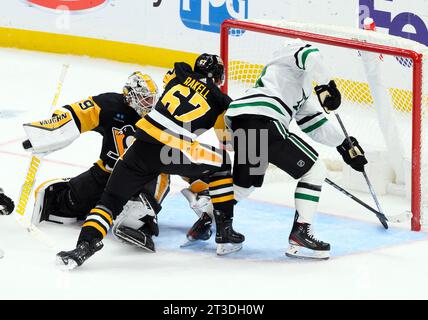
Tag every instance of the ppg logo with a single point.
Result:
(207, 15)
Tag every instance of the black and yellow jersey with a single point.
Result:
(109, 115)
(189, 105)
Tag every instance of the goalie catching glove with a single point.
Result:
(353, 154)
(328, 96)
(6, 204)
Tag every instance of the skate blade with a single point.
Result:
(227, 248)
(63, 266)
(194, 243)
(299, 252)
(1, 253)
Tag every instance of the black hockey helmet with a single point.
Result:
(211, 66)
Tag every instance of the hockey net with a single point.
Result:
(384, 96)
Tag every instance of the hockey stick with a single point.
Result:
(405, 216)
(30, 179)
(381, 219)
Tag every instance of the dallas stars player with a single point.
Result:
(114, 116)
(166, 142)
(279, 96)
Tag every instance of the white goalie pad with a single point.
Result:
(46, 190)
(132, 212)
(199, 203)
(52, 134)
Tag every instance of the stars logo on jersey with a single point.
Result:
(123, 138)
(301, 101)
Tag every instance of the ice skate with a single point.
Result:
(304, 245)
(200, 231)
(69, 260)
(227, 239)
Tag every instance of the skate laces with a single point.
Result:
(310, 232)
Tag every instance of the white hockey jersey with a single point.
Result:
(283, 89)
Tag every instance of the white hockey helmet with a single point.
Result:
(141, 92)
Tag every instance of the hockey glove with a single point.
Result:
(328, 96)
(353, 154)
(6, 204)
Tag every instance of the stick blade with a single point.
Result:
(384, 223)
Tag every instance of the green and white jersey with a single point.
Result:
(283, 89)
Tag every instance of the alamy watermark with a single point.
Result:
(250, 147)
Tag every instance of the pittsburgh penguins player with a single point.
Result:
(166, 143)
(114, 116)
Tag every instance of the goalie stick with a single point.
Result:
(405, 216)
(30, 179)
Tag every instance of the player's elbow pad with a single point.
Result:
(52, 134)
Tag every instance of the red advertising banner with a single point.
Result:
(73, 5)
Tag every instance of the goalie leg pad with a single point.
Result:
(137, 223)
(135, 237)
(199, 202)
(49, 198)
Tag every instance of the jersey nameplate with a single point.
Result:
(197, 86)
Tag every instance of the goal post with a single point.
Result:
(247, 45)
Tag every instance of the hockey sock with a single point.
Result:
(221, 193)
(308, 192)
(97, 224)
(242, 193)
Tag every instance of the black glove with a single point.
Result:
(6, 204)
(353, 154)
(328, 96)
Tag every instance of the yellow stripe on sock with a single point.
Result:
(223, 199)
(104, 214)
(96, 226)
(221, 182)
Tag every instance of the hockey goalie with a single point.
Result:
(113, 115)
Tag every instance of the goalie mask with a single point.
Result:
(211, 66)
(141, 92)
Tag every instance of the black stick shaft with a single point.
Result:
(380, 216)
(372, 192)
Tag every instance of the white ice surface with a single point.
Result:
(27, 271)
